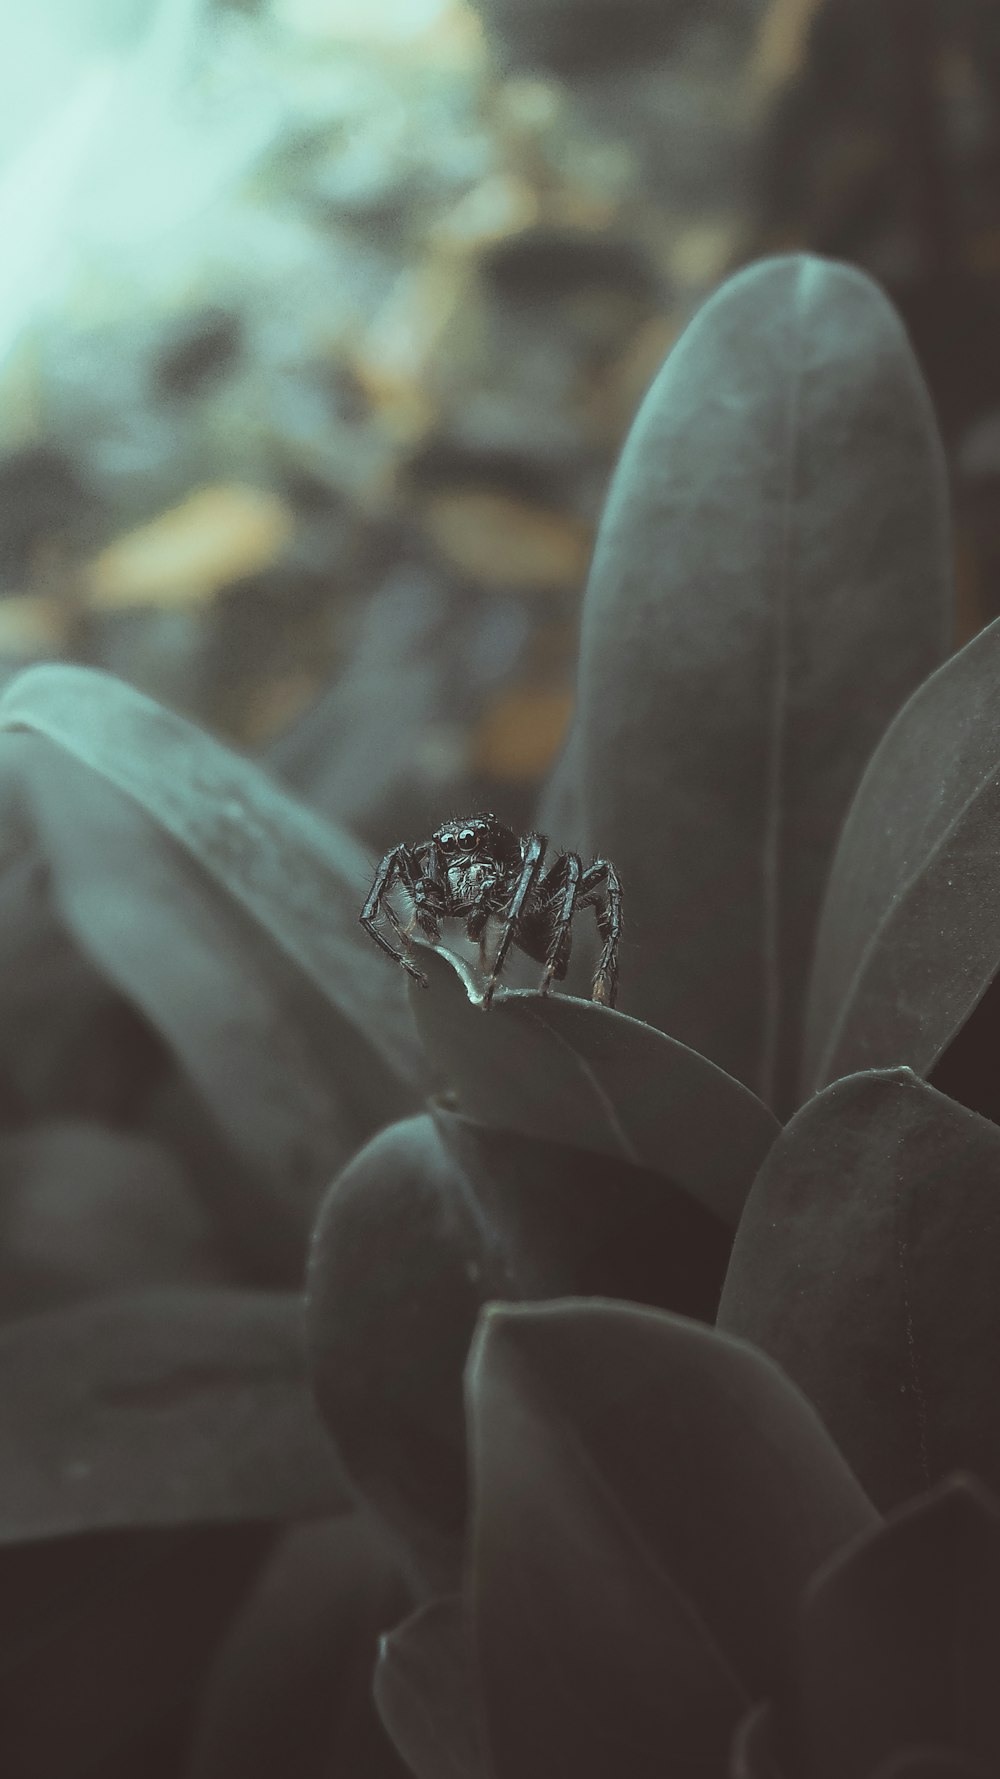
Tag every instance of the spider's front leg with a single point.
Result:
(401, 865)
(601, 889)
(531, 865)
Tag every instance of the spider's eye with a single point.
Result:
(447, 842)
(467, 838)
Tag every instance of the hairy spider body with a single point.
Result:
(478, 870)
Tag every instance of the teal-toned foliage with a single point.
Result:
(642, 1395)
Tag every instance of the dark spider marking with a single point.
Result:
(477, 870)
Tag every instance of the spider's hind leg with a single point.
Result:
(560, 887)
(601, 889)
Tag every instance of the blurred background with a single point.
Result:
(321, 323)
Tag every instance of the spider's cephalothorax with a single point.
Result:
(478, 870)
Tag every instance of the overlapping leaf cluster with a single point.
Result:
(708, 1490)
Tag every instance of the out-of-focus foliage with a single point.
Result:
(631, 1509)
(614, 1367)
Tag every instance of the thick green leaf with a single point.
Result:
(291, 1691)
(866, 1264)
(84, 1209)
(226, 912)
(398, 1272)
(159, 1408)
(573, 1222)
(570, 1071)
(650, 1499)
(426, 1689)
(105, 1645)
(771, 580)
(910, 935)
(899, 1642)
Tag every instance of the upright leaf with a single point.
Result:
(866, 1265)
(909, 940)
(771, 580)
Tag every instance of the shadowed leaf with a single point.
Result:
(163, 1408)
(397, 1275)
(572, 1072)
(931, 1763)
(899, 1643)
(910, 935)
(431, 1220)
(426, 1689)
(106, 1642)
(752, 1755)
(650, 1498)
(866, 1265)
(771, 579)
(573, 1222)
(290, 1692)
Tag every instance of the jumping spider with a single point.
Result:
(477, 870)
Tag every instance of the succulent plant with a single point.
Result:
(697, 1510)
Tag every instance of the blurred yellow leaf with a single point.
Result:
(33, 624)
(503, 542)
(611, 402)
(522, 732)
(276, 703)
(498, 206)
(393, 360)
(781, 43)
(214, 537)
